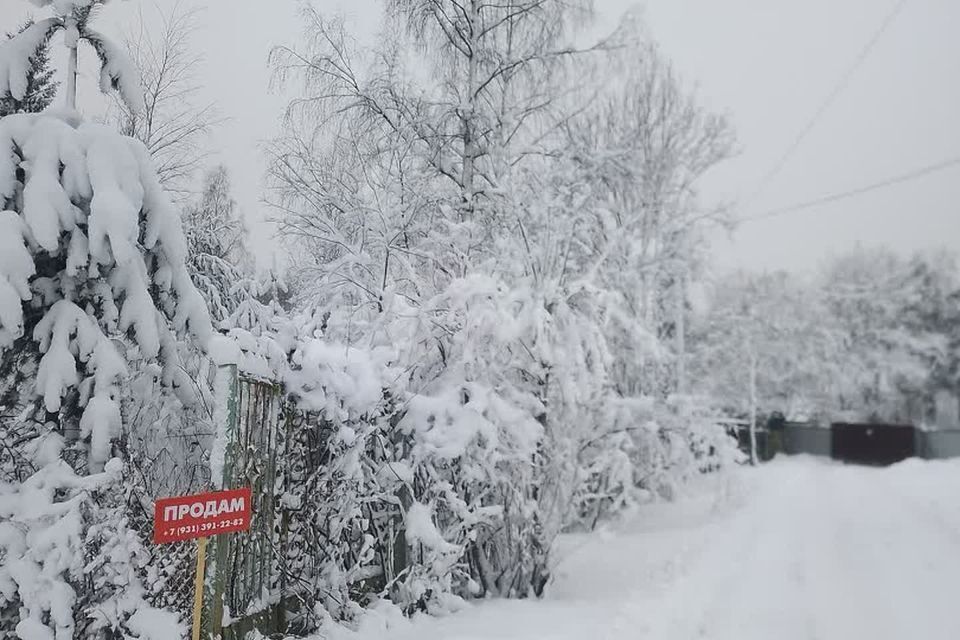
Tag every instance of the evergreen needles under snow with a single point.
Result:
(93, 280)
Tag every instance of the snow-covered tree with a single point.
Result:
(645, 144)
(446, 216)
(889, 311)
(93, 287)
(218, 259)
(764, 343)
(403, 221)
(96, 311)
(174, 121)
(74, 18)
(932, 306)
(41, 86)
(94, 269)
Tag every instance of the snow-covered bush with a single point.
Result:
(372, 453)
(509, 258)
(442, 476)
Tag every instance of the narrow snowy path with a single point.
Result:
(798, 549)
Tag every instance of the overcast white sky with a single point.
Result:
(768, 64)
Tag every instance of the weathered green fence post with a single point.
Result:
(243, 568)
(225, 415)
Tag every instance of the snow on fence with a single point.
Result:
(332, 506)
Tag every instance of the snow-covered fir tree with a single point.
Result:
(218, 260)
(94, 292)
(41, 85)
(75, 19)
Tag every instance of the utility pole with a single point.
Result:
(72, 38)
(753, 404)
(681, 290)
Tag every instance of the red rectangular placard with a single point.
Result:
(201, 515)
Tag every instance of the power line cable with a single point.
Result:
(843, 195)
(828, 102)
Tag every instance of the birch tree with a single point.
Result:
(646, 144)
(447, 214)
(175, 120)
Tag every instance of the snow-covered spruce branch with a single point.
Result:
(73, 18)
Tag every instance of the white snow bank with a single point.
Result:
(155, 624)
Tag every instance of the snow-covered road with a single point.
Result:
(799, 549)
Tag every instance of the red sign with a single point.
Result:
(202, 515)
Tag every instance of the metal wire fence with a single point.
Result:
(252, 578)
(242, 586)
(245, 585)
(170, 457)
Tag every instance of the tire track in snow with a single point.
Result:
(875, 568)
(681, 608)
(759, 600)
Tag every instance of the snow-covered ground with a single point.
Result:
(800, 548)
